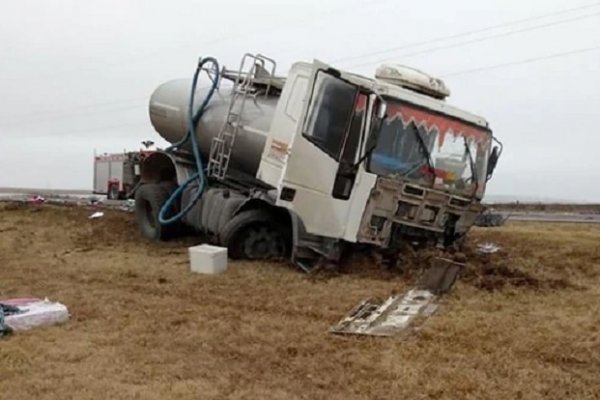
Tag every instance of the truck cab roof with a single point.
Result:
(395, 91)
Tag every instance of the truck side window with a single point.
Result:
(346, 173)
(354, 134)
(329, 113)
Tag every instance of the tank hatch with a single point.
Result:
(261, 79)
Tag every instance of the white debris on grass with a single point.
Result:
(488, 248)
(129, 206)
(35, 313)
(97, 214)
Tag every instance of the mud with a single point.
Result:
(489, 272)
(498, 271)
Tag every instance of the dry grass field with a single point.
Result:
(523, 323)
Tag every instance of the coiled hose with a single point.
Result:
(190, 135)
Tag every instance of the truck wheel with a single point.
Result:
(149, 198)
(255, 235)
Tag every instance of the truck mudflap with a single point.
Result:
(397, 314)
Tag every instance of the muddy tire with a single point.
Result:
(256, 235)
(149, 199)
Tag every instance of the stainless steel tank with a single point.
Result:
(168, 114)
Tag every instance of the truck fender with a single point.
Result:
(266, 201)
(258, 200)
(297, 229)
(220, 206)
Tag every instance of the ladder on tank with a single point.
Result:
(253, 68)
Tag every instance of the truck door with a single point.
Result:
(318, 180)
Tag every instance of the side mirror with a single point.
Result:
(380, 115)
(493, 161)
(382, 110)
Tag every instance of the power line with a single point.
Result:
(79, 107)
(497, 66)
(526, 61)
(477, 40)
(462, 72)
(267, 29)
(35, 119)
(51, 116)
(467, 33)
(78, 131)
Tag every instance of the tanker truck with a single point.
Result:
(311, 164)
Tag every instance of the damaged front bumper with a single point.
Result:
(415, 211)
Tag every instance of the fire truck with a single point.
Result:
(117, 175)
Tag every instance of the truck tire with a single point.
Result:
(149, 198)
(255, 235)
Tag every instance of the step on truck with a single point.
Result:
(309, 165)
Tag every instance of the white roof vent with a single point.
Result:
(413, 79)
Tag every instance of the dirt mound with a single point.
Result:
(493, 277)
(497, 271)
(114, 228)
(490, 272)
(369, 263)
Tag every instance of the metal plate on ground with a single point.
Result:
(388, 318)
(440, 276)
(396, 314)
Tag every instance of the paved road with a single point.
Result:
(553, 217)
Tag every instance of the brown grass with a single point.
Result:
(143, 327)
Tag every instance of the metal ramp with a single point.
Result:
(254, 68)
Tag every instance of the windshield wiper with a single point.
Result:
(424, 150)
(472, 166)
(364, 156)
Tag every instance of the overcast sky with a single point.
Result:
(76, 75)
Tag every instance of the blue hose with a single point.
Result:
(191, 136)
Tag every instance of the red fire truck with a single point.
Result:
(117, 175)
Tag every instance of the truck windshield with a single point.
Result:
(456, 155)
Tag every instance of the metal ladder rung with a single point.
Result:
(243, 88)
(234, 125)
